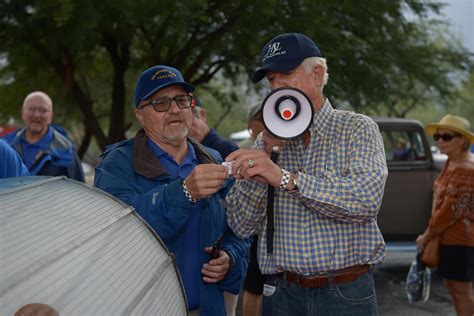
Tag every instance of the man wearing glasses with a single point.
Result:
(44, 149)
(177, 186)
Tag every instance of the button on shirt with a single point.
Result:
(192, 268)
(329, 222)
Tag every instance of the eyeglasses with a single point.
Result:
(444, 137)
(163, 104)
(41, 111)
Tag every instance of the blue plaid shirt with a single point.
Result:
(330, 221)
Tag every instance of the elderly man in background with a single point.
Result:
(178, 186)
(44, 149)
(206, 135)
(254, 125)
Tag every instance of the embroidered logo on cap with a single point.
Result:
(274, 49)
(163, 73)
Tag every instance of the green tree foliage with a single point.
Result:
(464, 105)
(88, 54)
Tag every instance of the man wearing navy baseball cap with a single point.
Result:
(176, 185)
(328, 189)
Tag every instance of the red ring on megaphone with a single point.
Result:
(287, 113)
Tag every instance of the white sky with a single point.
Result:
(460, 13)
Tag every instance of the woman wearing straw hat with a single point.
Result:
(452, 216)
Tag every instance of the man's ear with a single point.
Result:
(203, 114)
(23, 114)
(318, 73)
(139, 116)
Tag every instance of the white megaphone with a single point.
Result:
(287, 113)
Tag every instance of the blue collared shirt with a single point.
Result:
(30, 151)
(191, 268)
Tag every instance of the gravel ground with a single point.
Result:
(390, 285)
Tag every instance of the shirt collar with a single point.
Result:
(156, 149)
(188, 159)
(148, 165)
(321, 118)
(43, 142)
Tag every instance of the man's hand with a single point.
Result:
(216, 269)
(254, 164)
(205, 180)
(269, 142)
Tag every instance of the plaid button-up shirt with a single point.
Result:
(330, 221)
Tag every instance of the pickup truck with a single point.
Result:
(412, 169)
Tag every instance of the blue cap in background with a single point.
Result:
(285, 52)
(157, 78)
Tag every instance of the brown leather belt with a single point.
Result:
(339, 277)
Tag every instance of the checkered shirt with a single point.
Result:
(330, 222)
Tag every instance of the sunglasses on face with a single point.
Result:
(444, 137)
(163, 104)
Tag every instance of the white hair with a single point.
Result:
(311, 62)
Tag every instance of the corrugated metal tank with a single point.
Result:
(82, 252)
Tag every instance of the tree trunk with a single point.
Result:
(120, 57)
(64, 66)
(90, 120)
(222, 117)
(86, 140)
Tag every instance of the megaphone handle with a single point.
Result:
(270, 203)
(275, 154)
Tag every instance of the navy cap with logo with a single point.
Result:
(284, 53)
(157, 78)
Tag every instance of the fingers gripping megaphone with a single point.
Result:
(287, 113)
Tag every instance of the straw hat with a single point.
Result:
(455, 123)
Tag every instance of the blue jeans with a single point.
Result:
(355, 298)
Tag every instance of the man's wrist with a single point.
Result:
(231, 262)
(187, 194)
(293, 185)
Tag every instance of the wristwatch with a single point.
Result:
(288, 179)
(285, 179)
